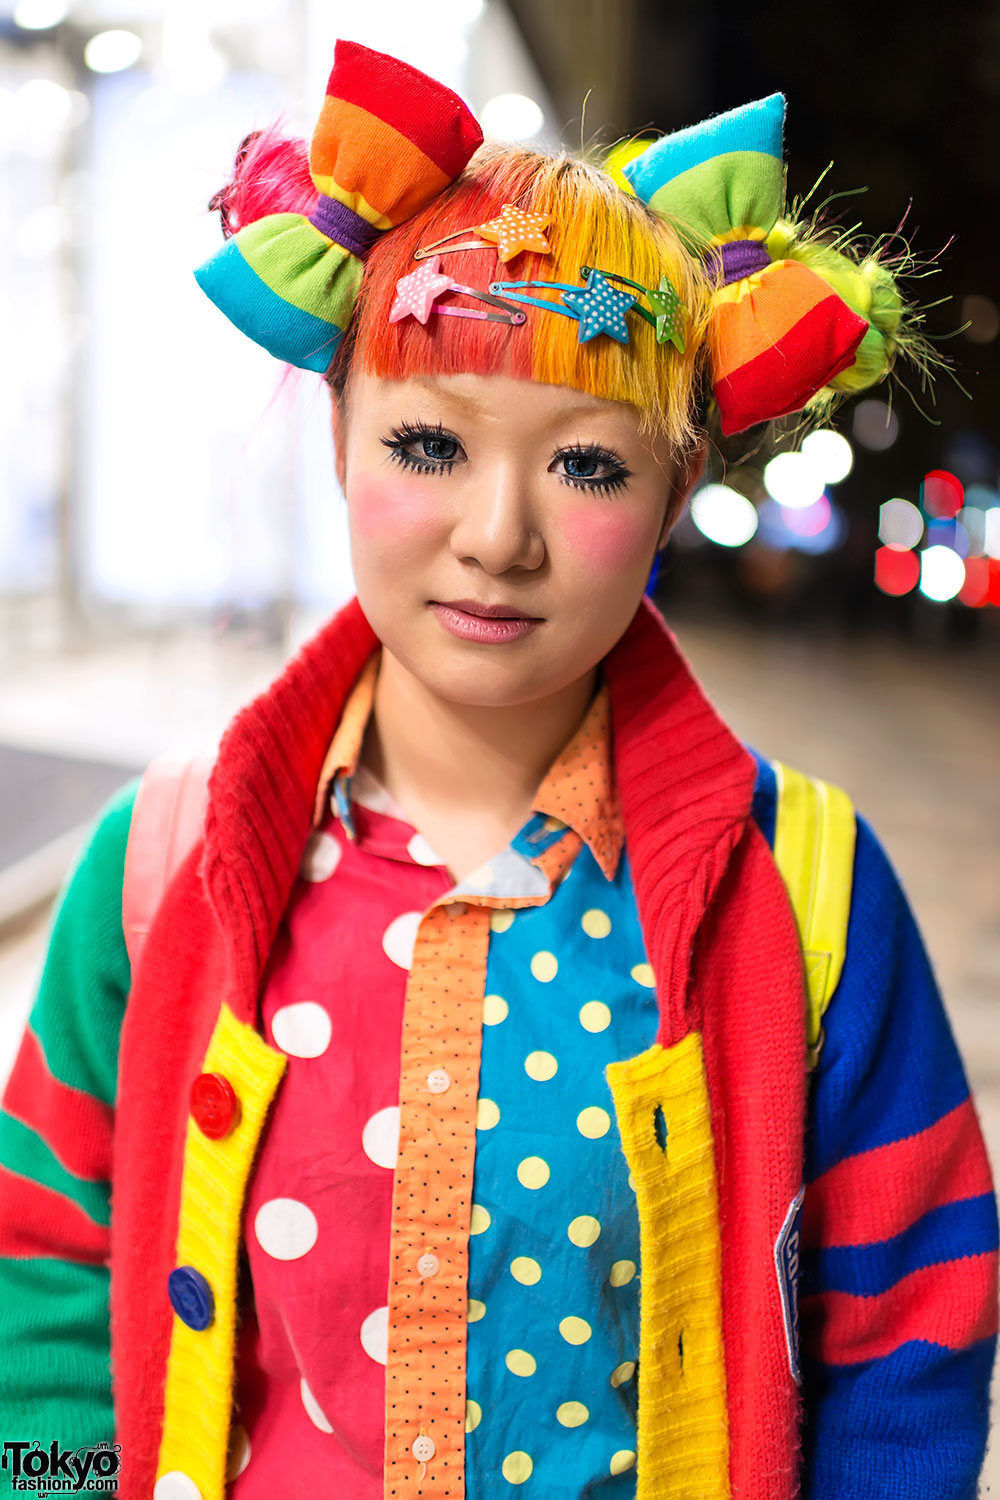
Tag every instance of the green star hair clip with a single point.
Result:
(600, 307)
(666, 308)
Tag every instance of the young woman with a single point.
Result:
(442, 1125)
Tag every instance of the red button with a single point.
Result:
(214, 1105)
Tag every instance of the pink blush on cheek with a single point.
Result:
(391, 508)
(606, 544)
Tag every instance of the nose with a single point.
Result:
(497, 521)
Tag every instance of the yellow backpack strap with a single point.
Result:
(814, 850)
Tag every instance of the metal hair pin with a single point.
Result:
(666, 308)
(600, 307)
(417, 294)
(511, 233)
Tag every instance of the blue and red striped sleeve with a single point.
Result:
(898, 1290)
(56, 1133)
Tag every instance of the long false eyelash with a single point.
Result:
(616, 480)
(408, 433)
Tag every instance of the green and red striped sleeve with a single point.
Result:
(56, 1130)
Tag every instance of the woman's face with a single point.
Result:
(492, 490)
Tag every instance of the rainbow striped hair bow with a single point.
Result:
(388, 140)
(777, 332)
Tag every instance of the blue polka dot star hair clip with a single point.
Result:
(600, 307)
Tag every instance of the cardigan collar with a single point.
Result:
(592, 810)
(685, 783)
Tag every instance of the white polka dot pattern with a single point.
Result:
(285, 1228)
(399, 938)
(313, 1409)
(515, 230)
(375, 1335)
(421, 852)
(320, 857)
(417, 292)
(302, 1030)
(380, 1137)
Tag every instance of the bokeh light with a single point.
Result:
(941, 493)
(42, 232)
(975, 590)
(896, 572)
(830, 454)
(991, 532)
(723, 515)
(983, 317)
(942, 573)
(42, 105)
(792, 480)
(875, 425)
(785, 529)
(951, 534)
(973, 523)
(39, 15)
(810, 520)
(112, 51)
(900, 524)
(511, 117)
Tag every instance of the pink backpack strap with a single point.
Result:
(167, 820)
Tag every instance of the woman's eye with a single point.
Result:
(590, 469)
(439, 449)
(426, 450)
(578, 467)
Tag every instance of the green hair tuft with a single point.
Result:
(868, 276)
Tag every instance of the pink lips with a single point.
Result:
(486, 611)
(485, 628)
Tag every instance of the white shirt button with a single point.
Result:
(176, 1486)
(423, 1449)
(428, 1265)
(438, 1080)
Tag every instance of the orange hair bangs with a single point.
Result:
(594, 223)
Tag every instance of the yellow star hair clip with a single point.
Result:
(511, 233)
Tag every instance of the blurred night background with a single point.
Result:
(170, 525)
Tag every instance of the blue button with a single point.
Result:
(191, 1297)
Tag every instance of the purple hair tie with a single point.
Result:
(342, 225)
(736, 259)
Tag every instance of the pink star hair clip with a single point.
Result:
(513, 231)
(417, 294)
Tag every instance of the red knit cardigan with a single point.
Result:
(718, 929)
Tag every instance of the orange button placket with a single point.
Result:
(432, 1205)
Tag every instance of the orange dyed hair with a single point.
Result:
(594, 223)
